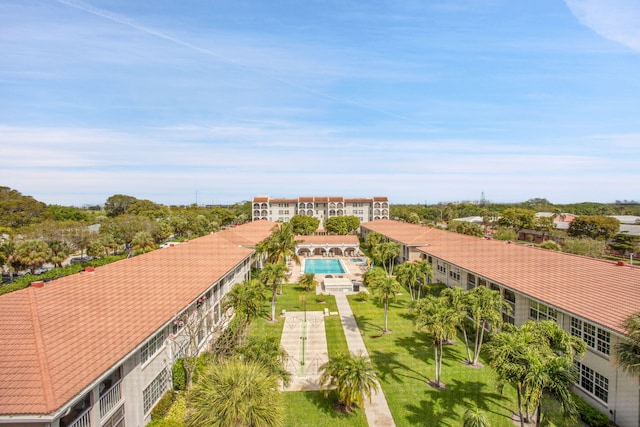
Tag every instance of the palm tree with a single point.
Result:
(31, 254)
(143, 240)
(385, 288)
(308, 281)
(628, 350)
(536, 358)
(267, 351)
(59, 252)
(236, 393)
(407, 275)
(386, 253)
(272, 275)
(280, 246)
(436, 316)
(247, 300)
(426, 271)
(484, 307)
(474, 417)
(352, 376)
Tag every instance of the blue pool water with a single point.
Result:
(357, 260)
(323, 266)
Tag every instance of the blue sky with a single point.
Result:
(220, 101)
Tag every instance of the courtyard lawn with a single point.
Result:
(404, 360)
(312, 408)
(290, 301)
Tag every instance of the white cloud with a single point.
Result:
(617, 20)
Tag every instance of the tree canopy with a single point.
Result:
(594, 227)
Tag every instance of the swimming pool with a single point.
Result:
(358, 261)
(324, 266)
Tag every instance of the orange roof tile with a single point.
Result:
(597, 290)
(58, 339)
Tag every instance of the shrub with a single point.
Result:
(321, 298)
(362, 296)
(165, 423)
(178, 411)
(162, 407)
(179, 375)
(589, 414)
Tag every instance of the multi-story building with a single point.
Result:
(96, 348)
(281, 210)
(588, 297)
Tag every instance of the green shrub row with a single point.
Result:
(589, 414)
(179, 375)
(162, 407)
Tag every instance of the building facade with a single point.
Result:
(96, 348)
(588, 297)
(281, 210)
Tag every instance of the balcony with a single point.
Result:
(110, 399)
(84, 420)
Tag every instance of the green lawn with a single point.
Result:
(312, 408)
(404, 359)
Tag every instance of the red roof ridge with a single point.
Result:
(40, 349)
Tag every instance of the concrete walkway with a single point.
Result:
(377, 411)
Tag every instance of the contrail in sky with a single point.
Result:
(133, 24)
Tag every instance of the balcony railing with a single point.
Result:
(110, 399)
(83, 420)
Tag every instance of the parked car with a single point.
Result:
(80, 259)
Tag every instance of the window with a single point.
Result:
(471, 281)
(441, 268)
(593, 383)
(596, 338)
(539, 311)
(455, 275)
(155, 390)
(510, 299)
(117, 419)
(151, 347)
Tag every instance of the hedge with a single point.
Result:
(589, 414)
(162, 407)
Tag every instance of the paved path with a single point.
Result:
(377, 411)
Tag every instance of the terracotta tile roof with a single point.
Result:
(336, 199)
(58, 339)
(261, 199)
(305, 199)
(359, 200)
(597, 290)
(283, 200)
(330, 239)
(380, 199)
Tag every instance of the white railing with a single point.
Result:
(83, 420)
(110, 399)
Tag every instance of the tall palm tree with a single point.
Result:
(436, 316)
(407, 275)
(628, 350)
(426, 272)
(385, 288)
(385, 254)
(272, 275)
(236, 393)
(536, 358)
(59, 252)
(247, 299)
(484, 307)
(352, 376)
(280, 246)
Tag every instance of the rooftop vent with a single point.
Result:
(37, 284)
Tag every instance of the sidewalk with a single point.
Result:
(377, 411)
